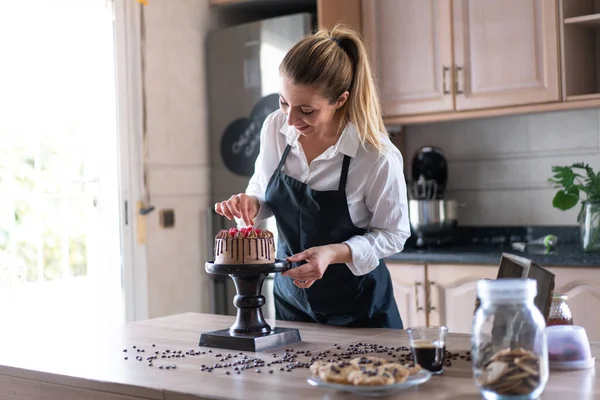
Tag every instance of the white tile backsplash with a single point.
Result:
(564, 131)
(486, 137)
(499, 167)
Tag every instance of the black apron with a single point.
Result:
(308, 218)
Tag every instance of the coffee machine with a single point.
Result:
(433, 218)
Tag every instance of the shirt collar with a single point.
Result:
(347, 144)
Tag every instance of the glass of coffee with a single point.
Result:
(428, 346)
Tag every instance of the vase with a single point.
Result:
(589, 224)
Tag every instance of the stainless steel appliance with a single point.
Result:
(243, 83)
(433, 218)
(430, 169)
(432, 221)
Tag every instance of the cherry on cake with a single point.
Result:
(244, 246)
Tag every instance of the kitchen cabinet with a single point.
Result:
(429, 295)
(409, 291)
(580, 40)
(452, 292)
(332, 12)
(444, 294)
(329, 12)
(505, 53)
(582, 285)
(410, 42)
(455, 55)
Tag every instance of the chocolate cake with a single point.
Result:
(244, 246)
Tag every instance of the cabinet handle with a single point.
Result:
(417, 284)
(458, 69)
(429, 306)
(445, 71)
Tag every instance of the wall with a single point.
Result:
(498, 167)
(176, 152)
(177, 145)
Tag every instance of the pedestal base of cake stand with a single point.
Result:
(250, 332)
(223, 339)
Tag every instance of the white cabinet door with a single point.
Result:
(452, 293)
(506, 52)
(411, 48)
(409, 290)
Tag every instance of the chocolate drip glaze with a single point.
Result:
(245, 248)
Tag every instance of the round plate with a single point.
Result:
(246, 269)
(373, 391)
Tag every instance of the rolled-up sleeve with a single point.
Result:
(389, 228)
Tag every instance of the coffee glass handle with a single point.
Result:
(429, 306)
(417, 284)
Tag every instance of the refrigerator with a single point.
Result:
(243, 85)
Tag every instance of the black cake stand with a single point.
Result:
(250, 332)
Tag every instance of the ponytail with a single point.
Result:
(336, 61)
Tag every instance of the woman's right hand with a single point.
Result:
(240, 206)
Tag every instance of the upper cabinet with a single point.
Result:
(332, 12)
(580, 23)
(505, 52)
(411, 47)
(432, 56)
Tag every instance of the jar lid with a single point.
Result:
(559, 296)
(507, 289)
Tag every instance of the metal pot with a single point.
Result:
(433, 217)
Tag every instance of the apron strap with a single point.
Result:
(344, 175)
(283, 157)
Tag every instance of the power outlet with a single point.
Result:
(167, 218)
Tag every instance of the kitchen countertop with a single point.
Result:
(77, 362)
(485, 245)
(564, 255)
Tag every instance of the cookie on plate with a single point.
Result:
(368, 361)
(370, 376)
(398, 371)
(316, 367)
(336, 372)
(413, 369)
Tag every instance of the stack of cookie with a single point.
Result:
(511, 372)
(366, 371)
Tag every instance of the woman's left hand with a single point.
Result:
(317, 260)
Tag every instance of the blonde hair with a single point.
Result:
(336, 61)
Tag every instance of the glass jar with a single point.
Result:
(589, 226)
(508, 342)
(560, 313)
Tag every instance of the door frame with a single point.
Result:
(129, 74)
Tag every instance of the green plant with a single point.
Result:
(573, 181)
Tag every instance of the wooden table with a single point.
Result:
(57, 362)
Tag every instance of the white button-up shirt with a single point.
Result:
(376, 189)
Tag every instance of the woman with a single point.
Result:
(334, 181)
